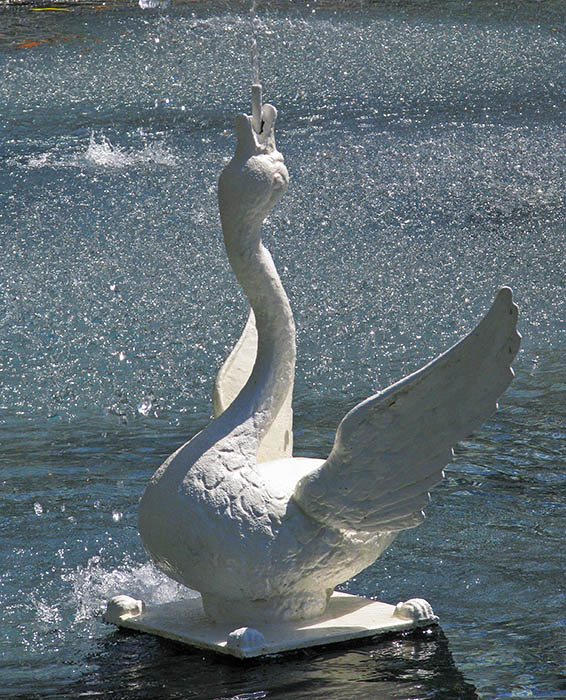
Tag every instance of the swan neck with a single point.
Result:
(249, 187)
(274, 368)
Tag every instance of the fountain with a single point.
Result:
(425, 151)
(266, 537)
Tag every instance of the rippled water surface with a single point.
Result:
(425, 142)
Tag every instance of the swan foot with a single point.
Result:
(122, 607)
(300, 606)
(416, 609)
(246, 641)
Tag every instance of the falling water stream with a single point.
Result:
(254, 49)
(425, 143)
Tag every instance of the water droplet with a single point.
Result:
(145, 406)
(116, 516)
(38, 508)
(122, 356)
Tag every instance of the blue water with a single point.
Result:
(426, 146)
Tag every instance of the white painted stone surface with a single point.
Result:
(268, 541)
(277, 442)
(347, 618)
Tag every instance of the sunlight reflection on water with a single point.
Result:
(426, 157)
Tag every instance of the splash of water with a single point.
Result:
(153, 4)
(100, 152)
(95, 583)
(105, 154)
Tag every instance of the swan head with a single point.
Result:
(255, 179)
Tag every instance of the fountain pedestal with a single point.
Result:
(347, 618)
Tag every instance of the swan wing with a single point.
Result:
(277, 443)
(236, 369)
(390, 449)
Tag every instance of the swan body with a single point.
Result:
(265, 536)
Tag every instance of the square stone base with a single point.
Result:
(347, 618)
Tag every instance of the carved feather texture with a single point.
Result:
(390, 449)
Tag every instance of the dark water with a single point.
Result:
(425, 142)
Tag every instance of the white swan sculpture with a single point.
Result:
(269, 540)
